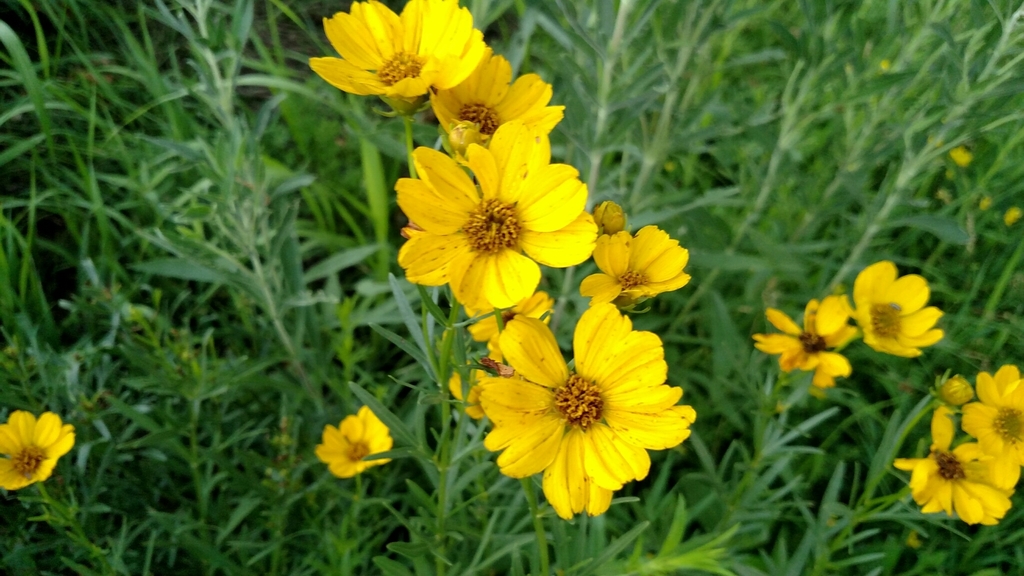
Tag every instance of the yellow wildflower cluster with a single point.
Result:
(483, 219)
(889, 310)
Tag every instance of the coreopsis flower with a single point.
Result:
(997, 421)
(961, 156)
(892, 311)
(32, 447)
(610, 218)
(955, 480)
(489, 98)
(636, 268)
(358, 436)
(956, 391)
(486, 329)
(825, 326)
(431, 45)
(487, 242)
(588, 429)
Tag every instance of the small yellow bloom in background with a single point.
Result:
(486, 329)
(489, 98)
(487, 242)
(885, 65)
(997, 421)
(610, 218)
(825, 326)
(956, 391)
(431, 45)
(473, 408)
(32, 447)
(985, 203)
(1012, 215)
(589, 429)
(358, 436)
(892, 312)
(636, 268)
(913, 540)
(961, 156)
(948, 481)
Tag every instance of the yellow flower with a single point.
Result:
(885, 65)
(824, 327)
(610, 218)
(636, 268)
(891, 311)
(588, 429)
(486, 329)
(956, 391)
(32, 447)
(473, 408)
(486, 99)
(431, 45)
(1012, 215)
(961, 156)
(997, 421)
(474, 239)
(358, 436)
(954, 480)
(985, 203)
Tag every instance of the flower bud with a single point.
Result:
(956, 391)
(609, 217)
(462, 135)
(405, 106)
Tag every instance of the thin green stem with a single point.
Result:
(409, 145)
(538, 525)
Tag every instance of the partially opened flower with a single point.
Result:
(487, 242)
(825, 326)
(431, 45)
(892, 311)
(32, 447)
(487, 99)
(588, 429)
(997, 421)
(635, 268)
(357, 437)
(955, 480)
(486, 329)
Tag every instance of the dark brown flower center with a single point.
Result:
(949, 467)
(481, 115)
(885, 319)
(812, 343)
(492, 227)
(1008, 424)
(579, 401)
(632, 279)
(357, 451)
(399, 67)
(28, 460)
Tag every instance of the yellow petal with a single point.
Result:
(834, 364)
(512, 146)
(527, 93)
(484, 167)
(776, 343)
(510, 278)
(969, 509)
(600, 330)
(47, 430)
(11, 479)
(10, 440)
(530, 348)
(562, 248)
(910, 293)
(654, 431)
(352, 429)
(23, 424)
(533, 451)
(832, 315)
(467, 275)
(872, 283)
(917, 323)
(599, 501)
(551, 198)
(783, 322)
(566, 484)
(611, 462)
(611, 253)
(657, 255)
(600, 288)
(352, 39)
(543, 120)
(927, 339)
(346, 76)
(450, 181)
(636, 363)
(63, 444)
(430, 210)
(942, 429)
(427, 258)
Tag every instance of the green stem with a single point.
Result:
(409, 145)
(538, 525)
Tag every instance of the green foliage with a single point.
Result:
(197, 271)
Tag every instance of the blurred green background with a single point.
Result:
(197, 233)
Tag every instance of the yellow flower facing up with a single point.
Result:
(1012, 215)
(32, 447)
(489, 98)
(588, 429)
(961, 156)
(431, 45)
(358, 436)
(957, 480)
(487, 242)
(486, 329)
(636, 268)
(892, 311)
(825, 326)
(997, 421)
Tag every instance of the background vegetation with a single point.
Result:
(197, 234)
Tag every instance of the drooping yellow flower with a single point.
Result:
(475, 239)
(997, 421)
(358, 436)
(956, 391)
(486, 329)
(955, 480)
(1012, 215)
(825, 326)
(487, 99)
(32, 447)
(431, 45)
(636, 268)
(588, 429)
(961, 156)
(892, 312)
